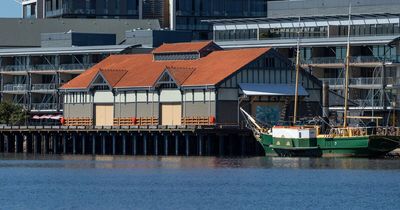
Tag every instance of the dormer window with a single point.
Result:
(176, 56)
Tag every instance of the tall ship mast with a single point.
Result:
(309, 141)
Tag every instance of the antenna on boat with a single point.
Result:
(347, 66)
(296, 95)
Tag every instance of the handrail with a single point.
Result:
(15, 87)
(49, 86)
(45, 67)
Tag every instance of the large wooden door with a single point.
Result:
(171, 114)
(104, 115)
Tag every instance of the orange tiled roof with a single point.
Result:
(143, 71)
(182, 47)
(112, 76)
(180, 74)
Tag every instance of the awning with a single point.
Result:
(47, 117)
(251, 89)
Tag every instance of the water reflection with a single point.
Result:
(110, 162)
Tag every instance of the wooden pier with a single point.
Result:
(130, 140)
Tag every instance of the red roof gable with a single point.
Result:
(112, 76)
(182, 47)
(143, 71)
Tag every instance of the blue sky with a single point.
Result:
(9, 8)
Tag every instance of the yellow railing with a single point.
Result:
(196, 121)
(140, 121)
(79, 121)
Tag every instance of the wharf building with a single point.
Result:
(188, 84)
(374, 60)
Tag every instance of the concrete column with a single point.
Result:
(94, 144)
(83, 144)
(134, 144)
(172, 14)
(221, 145)
(140, 8)
(103, 144)
(177, 145)
(6, 141)
(64, 143)
(73, 144)
(144, 144)
(124, 144)
(156, 145)
(208, 145)
(243, 145)
(44, 144)
(35, 143)
(114, 138)
(187, 144)
(1, 143)
(166, 145)
(200, 144)
(16, 141)
(54, 137)
(25, 144)
(231, 141)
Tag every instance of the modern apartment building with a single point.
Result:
(374, 62)
(31, 77)
(174, 14)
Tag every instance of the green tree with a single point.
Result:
(12, 114)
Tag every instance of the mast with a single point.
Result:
(296, 95)
(347, 66)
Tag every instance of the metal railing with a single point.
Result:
(369, 102)
(16, 87)
(44, 106)
(45, 67)
(14, 68)
(353, 60)
(50, 86)
(75, 66)
(361, 81)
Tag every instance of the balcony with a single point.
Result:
(361, 82)
(355, 60)
(369, 102)
(44, 106)
(15, 87)
(44, 87)
(14, 68)
(45, 67)
(67, 67)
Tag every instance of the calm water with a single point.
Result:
(86, 182)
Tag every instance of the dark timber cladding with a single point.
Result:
(182, 141)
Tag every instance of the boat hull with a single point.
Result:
(357, 146)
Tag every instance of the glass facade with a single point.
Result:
(92, 8)
(307, 32)
(190, 13)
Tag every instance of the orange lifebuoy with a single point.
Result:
(62, 120)
(212, 120)
(134, 120)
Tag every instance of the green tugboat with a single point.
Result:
(306, 141)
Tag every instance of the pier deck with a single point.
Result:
(129, 140)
